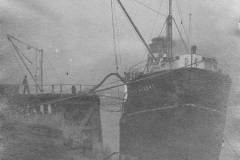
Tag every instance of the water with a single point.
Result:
(110, 128)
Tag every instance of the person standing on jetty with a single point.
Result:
(25, 85)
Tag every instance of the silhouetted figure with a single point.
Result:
(74, 90)
(25, 85)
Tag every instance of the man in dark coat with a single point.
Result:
(25, 85)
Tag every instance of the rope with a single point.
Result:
(156, 18)
(146, 6)
(135, 28)
(117, 81)
(185, 45)
(141, 62)
(163, 27)
(181, 17)
(22, 42)
(19, 63)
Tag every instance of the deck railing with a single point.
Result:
(57, 88)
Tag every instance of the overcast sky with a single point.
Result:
(76, 35)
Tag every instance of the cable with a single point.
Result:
(185, 45)
(117, 81)
(140, 36)
(146, 6)
(181, 17)
(19, 63)
(163, 27)
(156, 18)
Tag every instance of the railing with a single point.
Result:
(57, 89)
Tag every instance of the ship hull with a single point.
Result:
(174, 115)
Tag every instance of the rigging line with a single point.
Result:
(25, 65)
(29, 61)
(181, 17)
(141, 62)
(157, 16)
(163, 27)
(185, 45)
(117, 81)
(19, 63)
(139, 35)
(22, 42)
(14, 38)
(114, 37)
(150, 8)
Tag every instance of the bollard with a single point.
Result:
(80, 88)
(34, 111)
(49, 109)
(42, 109)
(52, 88)
(61, 88)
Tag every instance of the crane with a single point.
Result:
(24, 59)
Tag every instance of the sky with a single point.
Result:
(76, 35)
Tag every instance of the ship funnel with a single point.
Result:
(194, 49)
(158, 45)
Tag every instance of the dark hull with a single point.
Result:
(175, 115)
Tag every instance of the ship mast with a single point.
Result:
(169, 32)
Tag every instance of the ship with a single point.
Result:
(175, 107)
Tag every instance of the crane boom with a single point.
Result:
(136, 29)
(10, 38)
